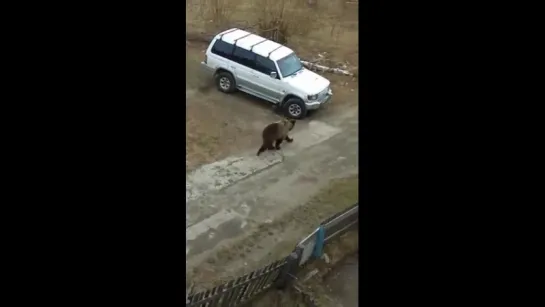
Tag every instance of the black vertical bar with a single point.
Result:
(270, 271)
(274, 275)
(218, 293)
(243, 288)
(251, 285)
(290, 269)
(262, 279)
(227, 292)
(237, 290)
(270, 276)
(188, 300)
(233, 292)
(256, 279)
(196, 298)
(206, 295)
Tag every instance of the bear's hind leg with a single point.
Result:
(278, 142)
(269, 145)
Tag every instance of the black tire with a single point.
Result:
(225, 82)
(295, 108)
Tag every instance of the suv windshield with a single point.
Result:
(289, 65)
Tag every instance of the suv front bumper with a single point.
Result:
(316, 104)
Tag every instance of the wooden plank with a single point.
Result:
(234, 292)
(263, 280)
(271, 277)
(205, 298)
(218, 293)
(245, 284)
(256, 278)
(227, 293)
(196, 298)
(274, 275)
(238, 290)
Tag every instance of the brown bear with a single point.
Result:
(276, 132)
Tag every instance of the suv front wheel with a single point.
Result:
(295, 108)
(225, 82)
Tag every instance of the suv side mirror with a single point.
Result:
(273, 74)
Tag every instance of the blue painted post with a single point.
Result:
(320, 238)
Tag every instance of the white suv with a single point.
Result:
(265, 69)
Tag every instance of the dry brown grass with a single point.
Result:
(330, 25)
(210, 15)
(215, 132)
(279, 20)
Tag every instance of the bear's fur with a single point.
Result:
(276, 132)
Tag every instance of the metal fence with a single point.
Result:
(280, 273)
(240, 290)
(341, 223)
(332, 227)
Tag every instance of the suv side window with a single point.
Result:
(223, 49)
(244, 57)
(265, 65)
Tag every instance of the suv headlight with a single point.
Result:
(312, 97)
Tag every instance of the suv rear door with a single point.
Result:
(243, 65)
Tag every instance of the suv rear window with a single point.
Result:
(222, 49)
(265, 65)
(244, 57)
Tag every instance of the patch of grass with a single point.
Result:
(343, 192)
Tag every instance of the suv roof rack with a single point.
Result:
(236, 40)
(269, 56)
(232, 30)
(252, 46)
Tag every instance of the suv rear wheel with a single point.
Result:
(295, 108)
(225, 82)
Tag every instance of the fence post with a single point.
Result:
(289, 270)
(320, 238)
